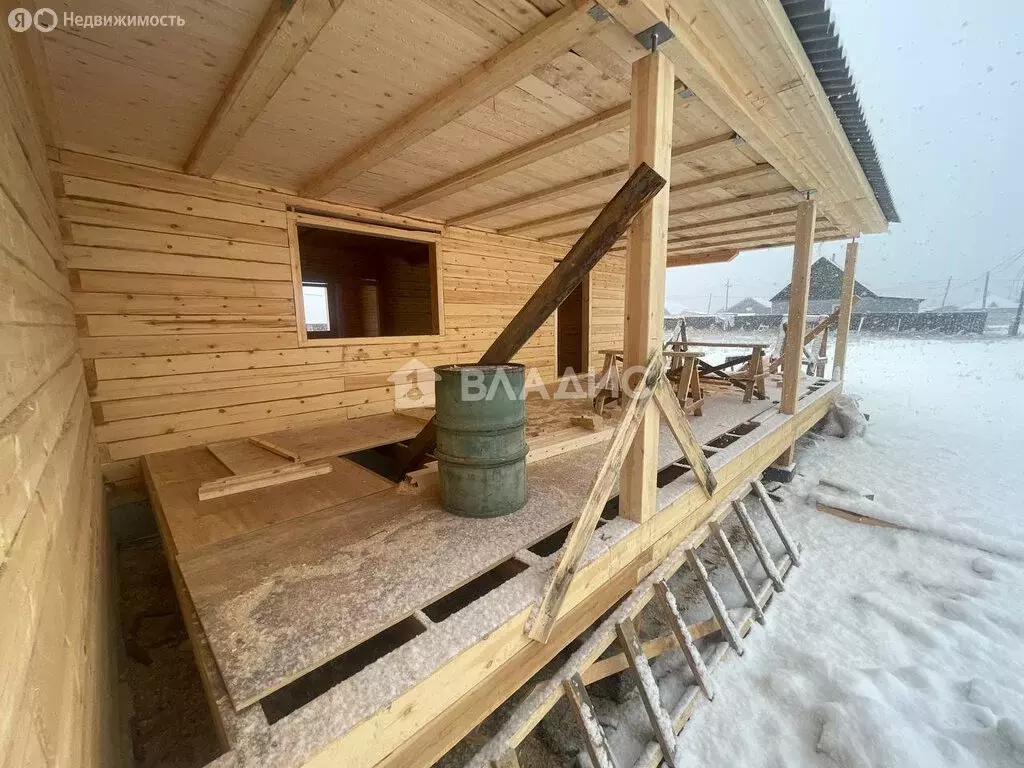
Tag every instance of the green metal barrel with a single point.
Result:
(481, 438)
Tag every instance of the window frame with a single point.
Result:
(431, 239)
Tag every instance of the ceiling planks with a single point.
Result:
(283, 38)
(578, 133)
(617, 174)
(530, 227)
(551, 37)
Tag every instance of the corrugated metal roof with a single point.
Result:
(816, 29)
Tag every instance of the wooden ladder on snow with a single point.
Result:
(571, 679)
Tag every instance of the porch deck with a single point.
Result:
(295, 613)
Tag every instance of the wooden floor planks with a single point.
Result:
(311, 578)
(194, 524)
(340, 437)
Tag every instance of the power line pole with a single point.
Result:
(709, 303)
(984, 293)
(1015, 326)
(946, 294)
(726, 295)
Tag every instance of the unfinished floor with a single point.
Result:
(298, 591)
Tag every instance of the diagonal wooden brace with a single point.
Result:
(603, 232)
(543, 619)
(669, 405)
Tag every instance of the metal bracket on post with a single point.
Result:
(654, 36)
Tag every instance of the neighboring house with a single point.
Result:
(826, 287)
(750, 306)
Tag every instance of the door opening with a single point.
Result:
(571, 333)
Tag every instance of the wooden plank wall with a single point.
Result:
(58, 667)
(184, 302)
(607, 302)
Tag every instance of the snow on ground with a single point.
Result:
(889, 647)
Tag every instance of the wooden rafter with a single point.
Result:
(605, 177)
(548, 39)
(285, 35)
(578, 133)
(771, 213)
(710, 257)
(698, 185)
(703, 224)
(780, 110)
(701, 237)
(579, 213)
(772, 241)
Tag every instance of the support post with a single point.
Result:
(1015, 325)
(806, 213)
(845, 311)
(651, 143)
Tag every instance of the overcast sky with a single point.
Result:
(942, 85)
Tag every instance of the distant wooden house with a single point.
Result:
(826, 286)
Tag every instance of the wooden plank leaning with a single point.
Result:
(773, 514)
(593, 734)
(543, 619)
(599, 237)
(673, 413)
(684, 638)
(647, 686)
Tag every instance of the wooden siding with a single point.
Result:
(57, 632)
(183, 295)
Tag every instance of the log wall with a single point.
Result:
(58, 672)
(183, 294)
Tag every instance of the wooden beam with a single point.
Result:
(579, 133)
(797, 322)
(769, 214)
(644, 184)
(686, 260)
(690, 187)
(227, 486)
(647, 687)
(285, 35)
(846, 302)
(560, 218)
(557, 587)
(574, 187)
(594, 737)
(650, 143)
(698, 185)
(828, 234)
(548, 39)
(605, 177)
(753, 230)
(684, 638)
(798, 293)
(774, 101)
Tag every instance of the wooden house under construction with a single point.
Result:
(240, 221)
